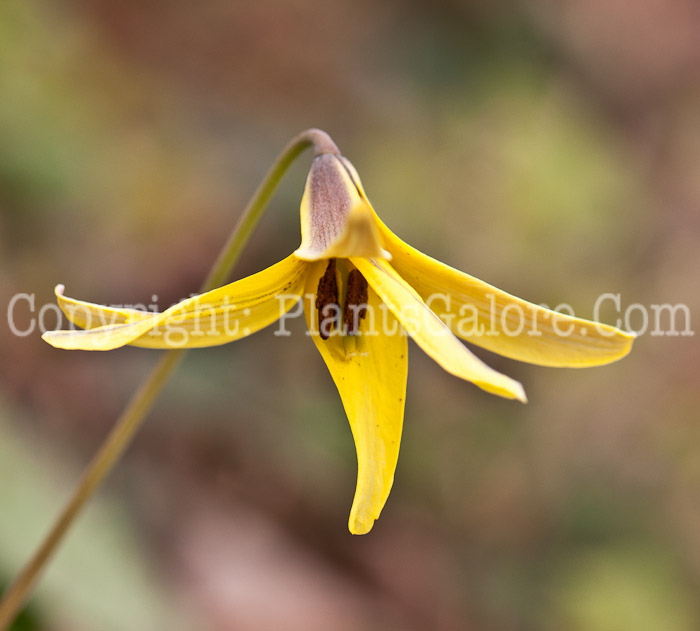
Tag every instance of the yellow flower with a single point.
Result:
(362, 290)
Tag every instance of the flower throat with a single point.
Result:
(328, 304)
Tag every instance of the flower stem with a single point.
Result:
(231, 252)
(136, 411)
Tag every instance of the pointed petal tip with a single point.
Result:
(519, 392)
(52, 339)
(623, 342)
(59, 289)
(358, 526)
(630, 337)
(57, 340)
(511, 390)
(607, 330)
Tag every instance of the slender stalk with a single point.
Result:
(231, 252)
(141, 403)
(102, 462)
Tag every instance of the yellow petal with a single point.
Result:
(336, 221)
(370, 373)
(430, 332)
(216, 317)
(493, 319)
(88, 315)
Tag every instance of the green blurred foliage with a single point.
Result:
(625, 587)
(101, 572)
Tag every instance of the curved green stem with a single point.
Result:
(135, 413)
(231, 252)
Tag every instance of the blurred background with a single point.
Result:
(551, 148)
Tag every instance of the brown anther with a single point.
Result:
(355, 308)
(327, 301)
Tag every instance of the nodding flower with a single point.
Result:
(369, 292)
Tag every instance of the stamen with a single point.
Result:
(355, 302)
(327, 302)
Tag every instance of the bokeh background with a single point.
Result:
(551, 148)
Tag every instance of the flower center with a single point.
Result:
(328, 303)
(355, 308)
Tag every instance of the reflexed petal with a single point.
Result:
(484, 315)
(336, 221)
(370, 373)
(88, 315)
(430, 332)
(216, 317)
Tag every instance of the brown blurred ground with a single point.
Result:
(550, 148)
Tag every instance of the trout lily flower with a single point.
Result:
(362, 289)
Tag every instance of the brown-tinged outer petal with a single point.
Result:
(336, 220)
